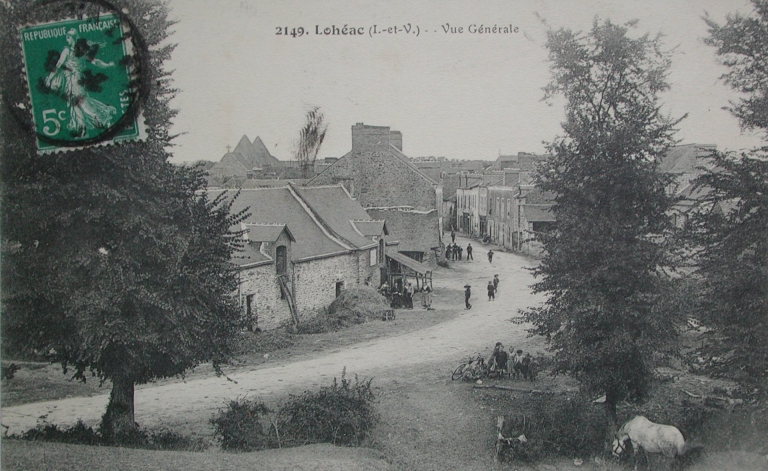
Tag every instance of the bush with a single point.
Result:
(559, 426)
(353, 306)
(81, 434)
(341, 414)
(240, 426)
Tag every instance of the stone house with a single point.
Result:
(503, 215)
(390, 187)
(303, 246)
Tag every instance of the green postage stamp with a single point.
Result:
(82, 84)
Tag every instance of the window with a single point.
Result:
(339, 288)
(282, 260)
(373, 257)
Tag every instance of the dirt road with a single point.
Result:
(475, 330)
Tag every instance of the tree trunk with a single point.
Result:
(118, 423)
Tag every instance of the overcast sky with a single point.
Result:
(458, 95)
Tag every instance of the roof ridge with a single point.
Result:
(352, 223)
(330, 233)
(404, 158)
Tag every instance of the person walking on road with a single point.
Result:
(453, 236)
(467, 295)
(491, 291)
(490, 256)
(469, 252)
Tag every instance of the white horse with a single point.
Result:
(651, 437)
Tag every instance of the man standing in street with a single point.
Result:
(461, 251)
(469, 252)
(491, 290)
(409, 291)
(453, 236)
(467, 295)
(496, 283)
(490, 256)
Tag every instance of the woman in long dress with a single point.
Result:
(85, 112)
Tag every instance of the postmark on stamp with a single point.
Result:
(82, 83)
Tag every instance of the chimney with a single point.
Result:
(396, 139)
(370, 138)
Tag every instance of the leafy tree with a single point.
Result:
(729, 228)
(311, 137)
(602, 271)
(114, 263)
(741, 45)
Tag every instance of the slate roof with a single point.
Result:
(335, 208)
(537, 196)
(265, 232)
(370, 228)
(315, 216)
(685, 158)
(538, 213)
(249, 254)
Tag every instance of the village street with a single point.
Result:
(445, 344)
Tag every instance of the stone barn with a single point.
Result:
(303, 246)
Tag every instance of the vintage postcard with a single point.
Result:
(402, 235)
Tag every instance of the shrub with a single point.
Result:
(81, 434)
(555, 426)
(341, 414)
(172, 441)
(240, 426)
(353, 306)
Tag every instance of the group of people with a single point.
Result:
(402, 295)
(456, 252)
(493, 288)
(519, 365)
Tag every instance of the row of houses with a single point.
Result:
(374, 215)
(502, 205)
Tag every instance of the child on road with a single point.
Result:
(491, 290)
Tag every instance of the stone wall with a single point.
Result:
(380, 179)
(313, 285)
(269, 310)
(315, 280)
